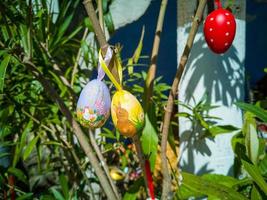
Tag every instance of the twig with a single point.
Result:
(138, 146)
(102, 160)
(78, 163)
(74, 71)
(173, 93)
(58, 71)
(76, 129)
(154, 55)
(100, 15)
(99, 35)
(37, 121)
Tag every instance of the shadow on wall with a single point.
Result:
(222, 79)
(194, 143)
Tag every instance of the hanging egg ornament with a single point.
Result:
(219, 30)
(127, 113)
(93, 107)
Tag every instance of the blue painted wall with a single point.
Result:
(256, 40)
(129, 35)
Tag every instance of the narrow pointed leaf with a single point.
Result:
(3, 67)
(259, 112)
(254, 172)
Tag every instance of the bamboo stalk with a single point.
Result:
(173, 93)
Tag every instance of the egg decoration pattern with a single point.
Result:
(93, 107)
(220, 29)
(127, 113)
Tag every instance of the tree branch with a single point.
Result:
(99, 34)
(100, 15)
(138, 146)
(154, 55)
(173, 93)
(103, 162)
(76, 129)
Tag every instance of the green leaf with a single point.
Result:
(64, 185)
(131, 194)
(221, 129)
(57, 194)
(202, 122)
(88, 24)
(251, 137)
(255, 195)
(24, 134)
(259, 112)
(108, 134)
(105, 5)
(263, 166)
(18, 173)
(30, 147)
(60, 84)
(211, 189)
(3, 67)
(185, 193)
(149, 141)
(254, 172)
(137, 53)
(221, 179)
(25, 196)
(265, 70)
(109, 22)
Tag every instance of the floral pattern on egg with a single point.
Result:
(93, 107)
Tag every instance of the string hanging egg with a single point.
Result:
(220, 29)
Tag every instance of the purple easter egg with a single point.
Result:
(93, 107)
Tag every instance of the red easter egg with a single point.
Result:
(219, 30)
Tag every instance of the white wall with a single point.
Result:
(222, 78)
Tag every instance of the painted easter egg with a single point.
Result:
(93, 107)
(127, 113)
(219, 30)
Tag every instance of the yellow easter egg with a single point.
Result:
(116, 174)
(127, 113)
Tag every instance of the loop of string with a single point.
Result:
(107, 59)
